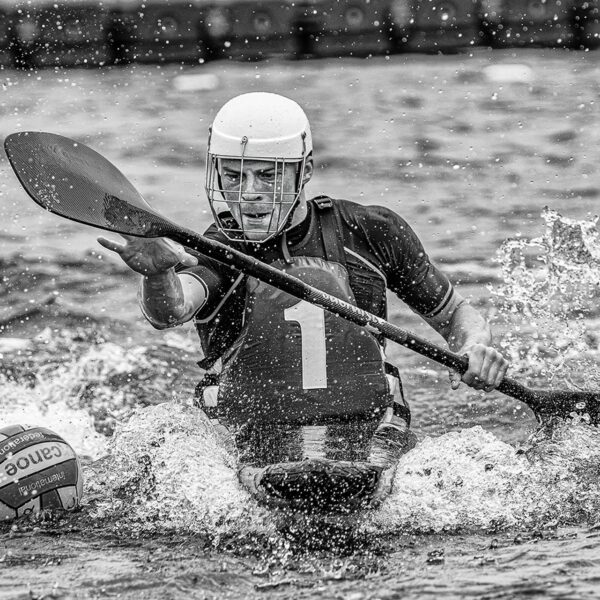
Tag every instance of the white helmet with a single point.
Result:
(256, 133)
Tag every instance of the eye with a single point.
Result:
(231, 176)
(267, 176)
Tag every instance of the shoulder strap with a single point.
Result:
(328, 221)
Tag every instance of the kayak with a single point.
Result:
(322, 485)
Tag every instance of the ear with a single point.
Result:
(308, 170)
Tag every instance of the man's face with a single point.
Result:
(259, 194)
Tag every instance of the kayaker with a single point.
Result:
(291, 382)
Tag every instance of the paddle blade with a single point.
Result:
(566, 402)
(72, 180)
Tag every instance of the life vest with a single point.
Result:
(295, 362)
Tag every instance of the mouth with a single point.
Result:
(256, 215)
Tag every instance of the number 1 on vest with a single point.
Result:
(311, 319)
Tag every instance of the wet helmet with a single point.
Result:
(255, 170)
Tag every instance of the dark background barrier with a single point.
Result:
(65, 33)
(586, 24)
(443, 25)
(528, 23)
(343, 28)
(156, 31)
(249, 29)
(41, 33)
(5, 41)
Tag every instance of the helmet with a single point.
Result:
(257, 151)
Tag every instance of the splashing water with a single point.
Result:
(170, 468)
(85, 375)
(176, 471)
(470, 480)
(46, 397)
(79, 385)
(27, 406)
(166, 467)
(549, 301)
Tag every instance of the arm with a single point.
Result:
(468, 334)
(166, 298)
(420, 284)
(461, 325)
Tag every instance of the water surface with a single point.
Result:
(486, 506)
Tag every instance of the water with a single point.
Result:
(488, 505)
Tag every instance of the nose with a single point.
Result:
(249, 189)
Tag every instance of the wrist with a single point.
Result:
(158, 276)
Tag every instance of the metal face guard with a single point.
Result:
(229, 202)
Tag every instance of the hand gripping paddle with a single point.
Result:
(68, 178)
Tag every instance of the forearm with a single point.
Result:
(162, 299)
(469, 334)
(466, 327)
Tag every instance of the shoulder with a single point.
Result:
(373, 220)
(384, 236)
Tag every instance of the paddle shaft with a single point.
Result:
(295, 287)
(73, 181)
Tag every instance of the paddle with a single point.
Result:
(72, 180)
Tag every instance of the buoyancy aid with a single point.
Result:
(292, 361)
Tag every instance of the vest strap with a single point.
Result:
(331, 232)
(285, 250)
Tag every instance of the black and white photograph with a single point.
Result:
(300, 299)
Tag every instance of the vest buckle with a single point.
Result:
(323, 202)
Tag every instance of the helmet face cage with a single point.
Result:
(229, 201)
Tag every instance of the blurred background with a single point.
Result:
(93, 32)
(477, 121)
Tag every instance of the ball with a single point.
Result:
(38, 471)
